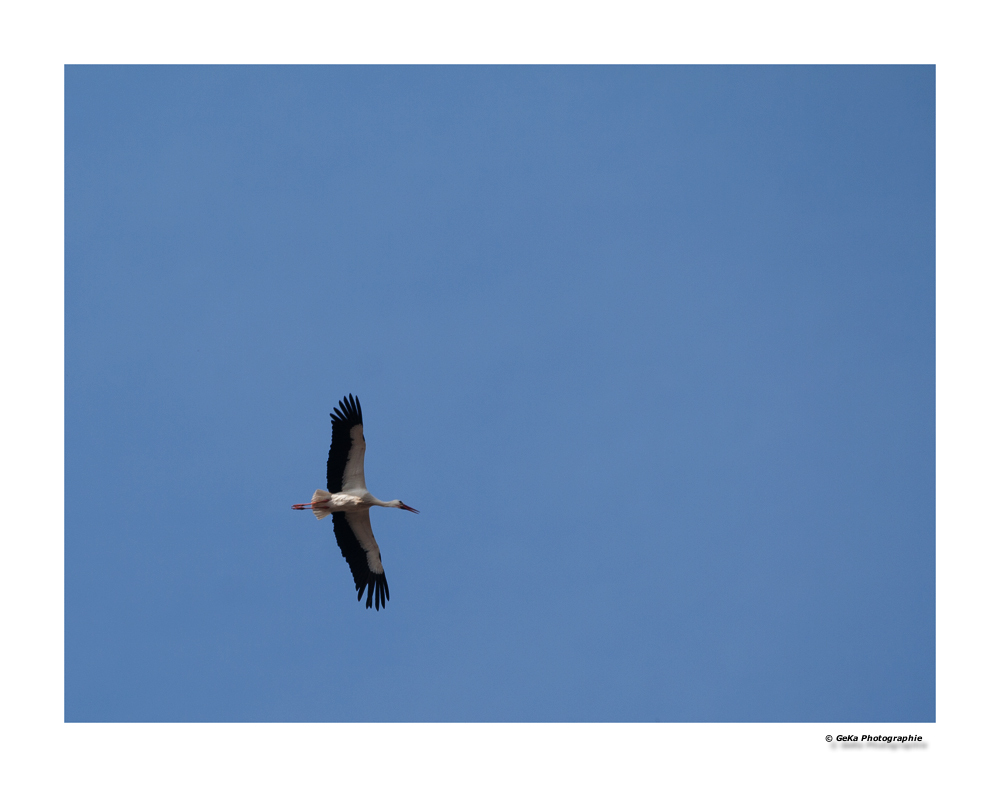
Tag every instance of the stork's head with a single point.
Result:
(401, 504)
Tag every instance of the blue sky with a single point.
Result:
(651, 349)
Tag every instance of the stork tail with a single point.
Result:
(320, 496)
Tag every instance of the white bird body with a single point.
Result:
(323, 503)
(347, 498)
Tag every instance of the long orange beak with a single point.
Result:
(406, 507)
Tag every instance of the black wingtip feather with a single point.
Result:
(378, 591)
(347, 411)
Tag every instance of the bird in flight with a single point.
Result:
(348, 499)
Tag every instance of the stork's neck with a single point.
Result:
(371, 500)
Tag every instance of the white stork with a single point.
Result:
(348, 499)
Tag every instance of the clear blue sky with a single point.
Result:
(651, 349)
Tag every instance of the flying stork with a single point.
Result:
(348, 499)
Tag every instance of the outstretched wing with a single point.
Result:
(345, 468)
(357, 544)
